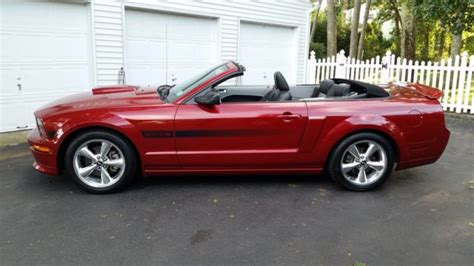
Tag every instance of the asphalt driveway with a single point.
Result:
(423, 216)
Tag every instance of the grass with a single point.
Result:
(13, 138)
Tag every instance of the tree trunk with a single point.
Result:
(456, 39)
(360, 48)
(426, 46)
(315, 21)
(441, 44)
(398, 24)
(408, 44)
(354, 29)
(331, 29)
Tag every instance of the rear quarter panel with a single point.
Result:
(415, 124)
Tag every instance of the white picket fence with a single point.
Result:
(452, 76)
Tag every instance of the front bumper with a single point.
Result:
(44, 152)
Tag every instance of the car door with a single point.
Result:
(244, 134)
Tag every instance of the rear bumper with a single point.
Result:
(427, 152)
(44, 153)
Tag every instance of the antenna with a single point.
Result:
(166, 52)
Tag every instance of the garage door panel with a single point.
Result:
(61, 80)
(154, 41)
(183, 51)
(196, 29)
(265, 49)
(152, 74)
(9, 81)
(45, 16)
(75, 48)
(182, 72)
(263, 55)
(144, 24)
(79, 74)
(45, 49)
(260, 75)
(142, 51)
(14, 119)
(26, 47)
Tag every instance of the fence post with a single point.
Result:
(340, 65)
(460, 88)
(311, 71)
(384, 75)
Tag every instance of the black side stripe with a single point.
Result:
(204, 133)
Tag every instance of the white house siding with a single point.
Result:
(110, 24)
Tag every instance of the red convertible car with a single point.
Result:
(356, 132)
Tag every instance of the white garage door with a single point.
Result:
(167, 48)
(264, 49)
(44, 54)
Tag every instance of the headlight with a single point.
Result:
(41, 129)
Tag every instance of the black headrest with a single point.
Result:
(325, 85)
(339, 90)
(280, 82)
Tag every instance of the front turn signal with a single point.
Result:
(40, 148)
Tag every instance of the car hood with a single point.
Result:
(101, 98)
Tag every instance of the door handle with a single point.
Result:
(223, 91)
(289, 116)
(18, 83)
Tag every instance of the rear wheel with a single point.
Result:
(101, 161)
(362, 161)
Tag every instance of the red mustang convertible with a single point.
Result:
(356, 132)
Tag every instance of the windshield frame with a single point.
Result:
(232, 68)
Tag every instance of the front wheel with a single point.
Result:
(100, 161)
(362, 161)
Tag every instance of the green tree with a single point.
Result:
(456, 15)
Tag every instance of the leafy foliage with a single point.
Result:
(375, 42)
(457, 15)
(435, 22)
(318, 44)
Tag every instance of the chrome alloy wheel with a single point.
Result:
(99, 163)
(364, 162)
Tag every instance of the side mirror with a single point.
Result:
(209, 99)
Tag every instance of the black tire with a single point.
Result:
(334, 167)
(126, 148)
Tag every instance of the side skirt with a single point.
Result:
(229, 171)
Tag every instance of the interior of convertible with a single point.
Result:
(330, 89)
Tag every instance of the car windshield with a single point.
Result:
(193, 82)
